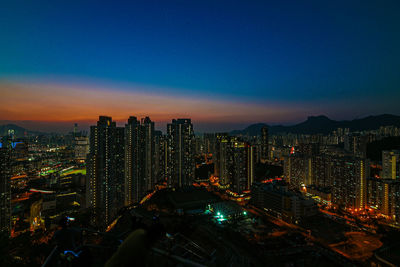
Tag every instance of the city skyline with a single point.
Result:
(314, 124)
(200, 133)
(224, 64)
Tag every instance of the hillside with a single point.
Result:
(324, 125)
(18, 131)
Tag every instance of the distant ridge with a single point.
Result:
(324, 125)
(313, 125)
(18, 131)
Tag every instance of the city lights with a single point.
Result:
(200, 133)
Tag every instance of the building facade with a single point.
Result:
(5, 189)
(105, 166)
(234, 162)
(147, 144)
(391, 164)
(81, 148)
(276, 198)
(344, 176)
(384, 196)
(181, 146)
(264, 143)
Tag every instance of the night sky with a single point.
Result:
(225, 64)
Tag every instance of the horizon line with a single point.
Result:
(121, 122)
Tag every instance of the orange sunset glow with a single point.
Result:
(65, 103)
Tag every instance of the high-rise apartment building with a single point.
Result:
(133, 180)
(5, 190)
(243, 167)
(81, 148)
(356, 144)
(222, 157)
(209, 143)
(234, 162)
(308, 149)
(148, 156)
(160, 156)
(106, 170)
(264, 143)
(181, 164)
(142, 158)
(391, 164)
(321, 171)
(384, 195)
(344, 176)
(297, 169)
(349, 181)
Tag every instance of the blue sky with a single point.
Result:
(310, 53)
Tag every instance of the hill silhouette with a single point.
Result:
(323, 125)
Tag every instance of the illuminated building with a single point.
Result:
(390, 164)
(209, 143)
(349, 181)
(389, 131)
(323, 194)
(276, 198)
(160, 155)
(119, 166)
(198, 145)
(221, 157)
(344, 176)
(106, 169)
(181, 164)
(297, 169)
(75, 131)
(243, 167)
(308, 149)
(234, 162)
(356, 144)
(264, 143)
(5, 190)
(35, 218)
(321, 171)
(133, 181)
(20, 151)
(257, 151)
(384, 195)
(147, 146)
(81, 148)
(142, 158)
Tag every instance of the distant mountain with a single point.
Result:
(18, 131)
(252, 130)
(324, 125)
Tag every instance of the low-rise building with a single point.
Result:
(276, 198)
